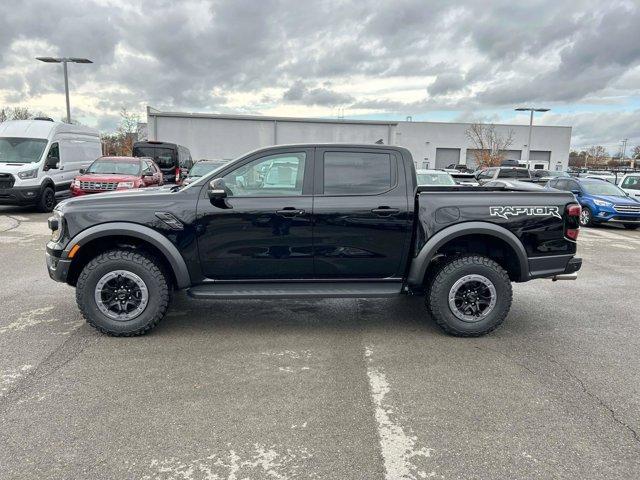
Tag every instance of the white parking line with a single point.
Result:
(399, 450)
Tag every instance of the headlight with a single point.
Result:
(76, 183)
(602, 203)
(56, 225)
(28, 174)
(125, 184)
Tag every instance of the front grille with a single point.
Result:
(6, 180)
(100, 186)
(627, 208)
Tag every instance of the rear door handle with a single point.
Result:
(383, 211)
(289, 212)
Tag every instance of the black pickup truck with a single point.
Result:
(299, 221)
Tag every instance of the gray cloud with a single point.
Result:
(467, 56)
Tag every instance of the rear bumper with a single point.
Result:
(544, 267)
(19, 195)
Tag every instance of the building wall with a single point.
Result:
(229, 136)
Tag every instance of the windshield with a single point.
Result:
(117, 167)
(435, 178)
(164, 157)
(603, 188)
(202, 168)
(21, 150)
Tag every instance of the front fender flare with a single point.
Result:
(168, 249)
(421, 261)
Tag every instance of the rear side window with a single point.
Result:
(358, 173)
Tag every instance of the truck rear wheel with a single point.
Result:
(122, 293)
(470, 296)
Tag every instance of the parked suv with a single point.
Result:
(601, 201)
(630, 183)
(117, 173)
(310, 221)
(174, 160)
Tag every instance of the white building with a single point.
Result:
(432, 144)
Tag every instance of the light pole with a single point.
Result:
(530, 109)
(64, 61)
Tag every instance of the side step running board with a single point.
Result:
(231, 291)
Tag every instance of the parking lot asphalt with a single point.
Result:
(335, 389)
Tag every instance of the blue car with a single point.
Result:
(601, 201)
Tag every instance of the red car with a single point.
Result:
(108, 174)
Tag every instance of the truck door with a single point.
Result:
(263, 229)
(361, 213)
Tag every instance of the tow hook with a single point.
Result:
(565, 276)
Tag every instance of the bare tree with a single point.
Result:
(18, 113)
(489, 145)
(597, 155)
(121, 142)
(635, 153)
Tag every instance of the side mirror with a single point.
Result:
(217, 189)
(575, 192)
(51, 163)
(82, 171)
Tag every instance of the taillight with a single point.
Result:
(573, 221)
(574, 210)
(177, 174)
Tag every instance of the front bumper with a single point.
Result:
(19, 195)
(610, 215)
(57, 267)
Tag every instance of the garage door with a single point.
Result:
(447, 156)
(471, 158)
(513, 154)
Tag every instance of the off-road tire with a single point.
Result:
(143, 265)
(631, 226)
(47, 200)
(449, 273)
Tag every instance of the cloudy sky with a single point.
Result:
(431, 59)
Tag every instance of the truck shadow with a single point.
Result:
(290, 316)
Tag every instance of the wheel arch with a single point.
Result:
(92, 241)
(518, 269)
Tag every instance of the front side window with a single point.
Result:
(21, 150)
(272, 176)
(632, 183)
(349, 173)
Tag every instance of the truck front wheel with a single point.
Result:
(123, 292)
(470, 296)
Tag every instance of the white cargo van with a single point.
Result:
(40, 158)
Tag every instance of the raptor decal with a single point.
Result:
(513, 211)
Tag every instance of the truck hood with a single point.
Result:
(617, 200)
(116, 197)
(104, 177)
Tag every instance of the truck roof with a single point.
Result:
(42, 129)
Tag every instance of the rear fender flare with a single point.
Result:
(421, 261)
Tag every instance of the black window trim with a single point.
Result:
(319, 170)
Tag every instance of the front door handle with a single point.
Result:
(289, 212)
(384, 211)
